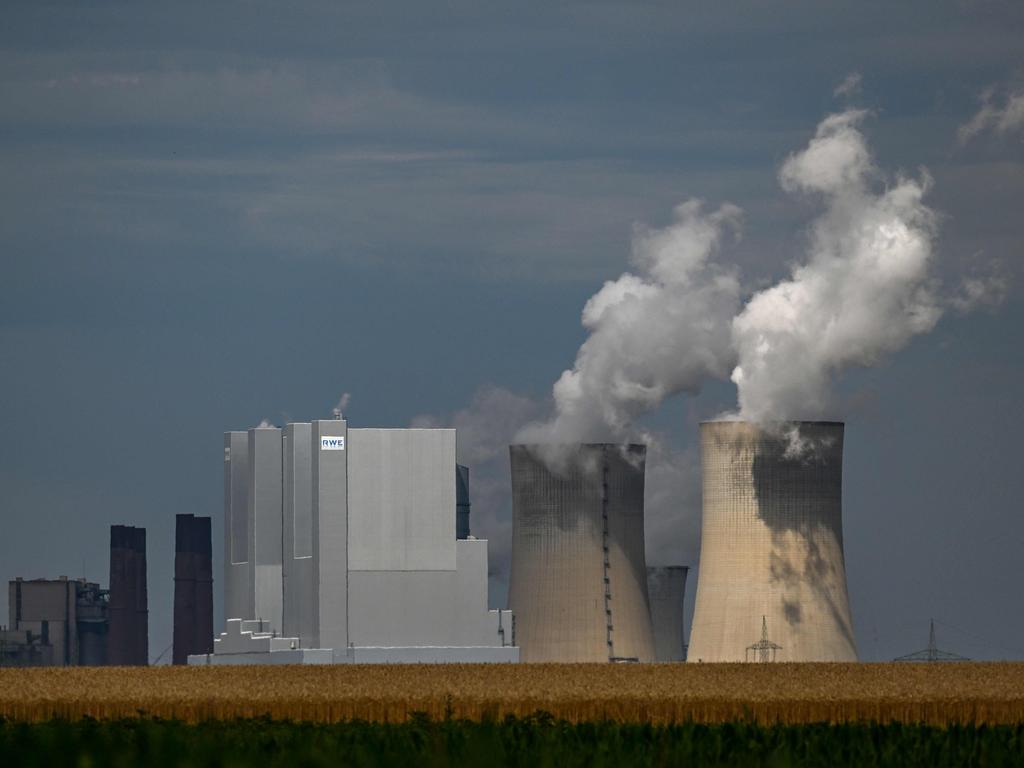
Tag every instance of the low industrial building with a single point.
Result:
(340, 546)
(55, 623)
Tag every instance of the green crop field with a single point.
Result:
(537, 742)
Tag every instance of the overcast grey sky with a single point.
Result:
(215, 213)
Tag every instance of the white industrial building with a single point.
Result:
(340, 547)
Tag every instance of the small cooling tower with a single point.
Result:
(772, 543)
(666, 590)
(578, 586)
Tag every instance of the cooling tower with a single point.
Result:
(578, 586)
(772, 543)
(666, 590)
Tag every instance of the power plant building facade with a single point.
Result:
(352, 555)
(772, 544)
(578, 585)
(666, 591)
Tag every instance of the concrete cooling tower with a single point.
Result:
(666, 590)
(772, 544)
(578, 586)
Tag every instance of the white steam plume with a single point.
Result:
(339, 410)
(653, 333)
(864, 290)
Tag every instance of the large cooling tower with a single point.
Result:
(772, 544)
(666, 590)
(578, 587)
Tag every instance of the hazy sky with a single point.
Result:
(215, 213)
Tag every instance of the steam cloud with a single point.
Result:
(864, 290)
(654, 333)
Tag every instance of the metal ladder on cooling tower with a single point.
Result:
(605, 539)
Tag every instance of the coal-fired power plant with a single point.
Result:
(128, 637)
(193, 588)
(578, 585)
(772, 572)
(666, 590)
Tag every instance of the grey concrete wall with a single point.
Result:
(564, 608)
(772, 543)
(239, 579)
(401, 497)
(425, 608)
(666, 591)
(424, 655)
(54, 602)
(329, 444)
(298, 575)
(265, 515)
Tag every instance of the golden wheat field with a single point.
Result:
(988, 693)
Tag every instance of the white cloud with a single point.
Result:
(1002, 119)
(850, 86)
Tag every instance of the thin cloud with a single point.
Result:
(1001, 119)
(850, 87)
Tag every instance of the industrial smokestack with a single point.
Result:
(128, 638)
(772, 543)
(578, 587)
(193, 588)
(666, 590)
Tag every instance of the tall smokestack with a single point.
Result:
(128, 638)
(772, 543)
(578, 587)
(666, 590)
(193, 588)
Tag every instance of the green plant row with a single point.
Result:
(535, 742)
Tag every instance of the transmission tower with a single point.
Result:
(764, 649)
(932, 652)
